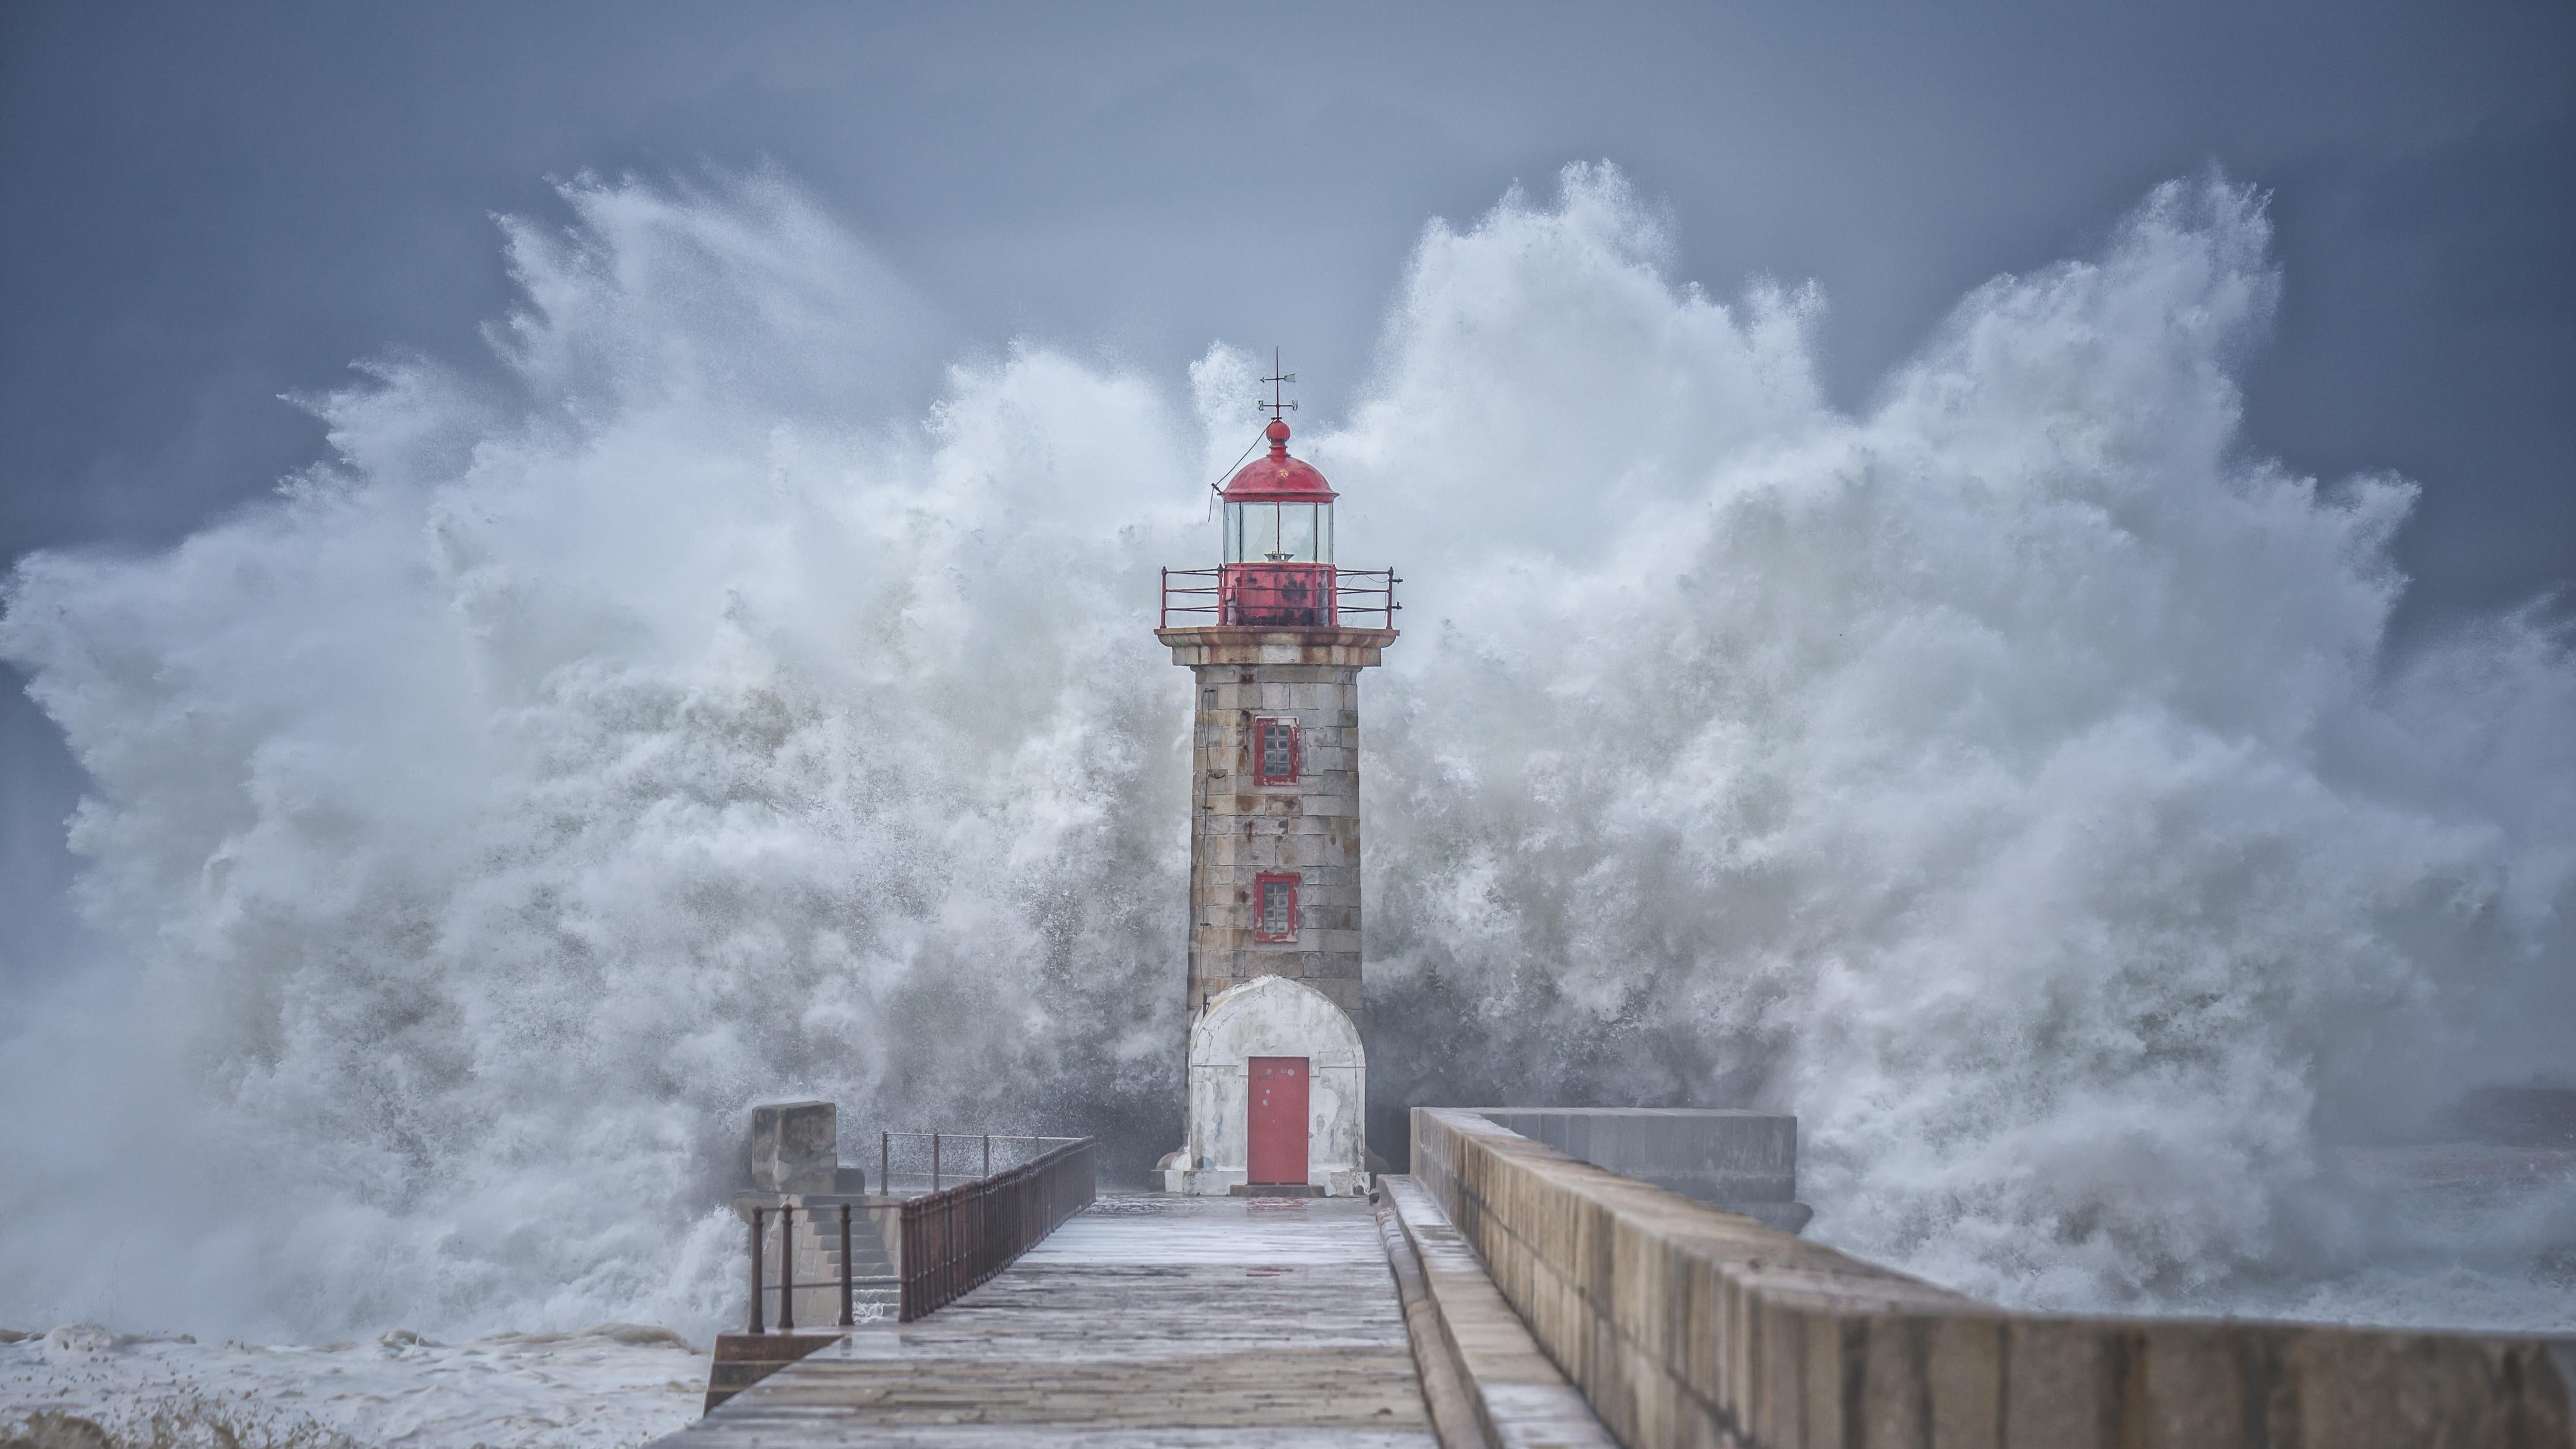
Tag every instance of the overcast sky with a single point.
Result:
(204, 206)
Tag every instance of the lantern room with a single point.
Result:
(1278, 568)
(1278, 510)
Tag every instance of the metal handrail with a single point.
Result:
(886, 1173)
(1215, 586)
(951, 1239)
(954, 1240)
(850, 1280)
(1359, 585)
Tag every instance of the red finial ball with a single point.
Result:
(1277, 432)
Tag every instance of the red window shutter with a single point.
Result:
(1274, 752)
(1274, 907)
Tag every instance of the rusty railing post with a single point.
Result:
(907, 1268)
(846, 1320)
(885, 1156)
(757, 1287)
(787, 1267)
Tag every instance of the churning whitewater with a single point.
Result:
(2010, 777)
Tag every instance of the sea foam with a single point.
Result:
(2010, 776)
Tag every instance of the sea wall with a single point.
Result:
(1682, 1325)
(1738, 1161)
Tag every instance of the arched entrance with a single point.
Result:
(1310, 1095)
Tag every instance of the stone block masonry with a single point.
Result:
(1242, 829)
(1486, 1381)
(1685, 1326)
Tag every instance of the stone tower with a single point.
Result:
(1276, 637)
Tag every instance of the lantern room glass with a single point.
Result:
(1279, 533)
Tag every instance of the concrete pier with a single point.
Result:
(1152, 1322)
(1509, 1296)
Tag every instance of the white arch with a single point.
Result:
(1274, 1016)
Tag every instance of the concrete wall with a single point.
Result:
(1683, 1325)
(1744, 1162)
(1486, 1382)
(794, 1147)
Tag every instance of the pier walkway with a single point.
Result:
(1154, 1322)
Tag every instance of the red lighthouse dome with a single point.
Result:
(1278, 542)
(1278, 478)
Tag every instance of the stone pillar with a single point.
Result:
(1308, 827)
(794, 1147)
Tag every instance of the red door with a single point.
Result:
(1277, 1139)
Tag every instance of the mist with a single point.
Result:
(2010, 776)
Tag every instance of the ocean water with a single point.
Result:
(612, 1385)
(2011, 776)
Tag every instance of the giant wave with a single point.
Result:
(2013, 777)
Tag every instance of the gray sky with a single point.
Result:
(202, 207)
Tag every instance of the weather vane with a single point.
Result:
(1278, 376)
(1277, 405)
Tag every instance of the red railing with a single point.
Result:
(956, 1239)
(1280, 596)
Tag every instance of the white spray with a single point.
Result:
(2008, 779)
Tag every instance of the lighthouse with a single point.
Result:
(1275, 637)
